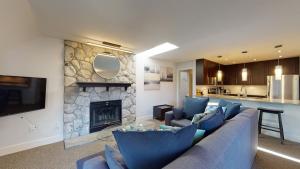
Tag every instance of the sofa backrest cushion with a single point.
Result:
(192, 106)
(232, 109)
(212, 121)
(153, 149)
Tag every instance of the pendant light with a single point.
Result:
(244, 73)
(219, 72)
(244, 70)
(278, 67)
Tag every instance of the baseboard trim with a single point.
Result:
(29, 145)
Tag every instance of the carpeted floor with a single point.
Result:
(54, 156)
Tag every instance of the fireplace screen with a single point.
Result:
(104, 114)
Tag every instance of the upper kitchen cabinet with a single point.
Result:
(258, 73)
(290, 66)
(206, 72)
(230, 73)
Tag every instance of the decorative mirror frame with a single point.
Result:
(109, 55)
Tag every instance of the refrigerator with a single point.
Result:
(286, 88)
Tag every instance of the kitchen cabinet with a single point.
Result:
(258, 73)
(290, 65)
(229, 74)
(206, 71)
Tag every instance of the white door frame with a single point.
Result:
(178, 81)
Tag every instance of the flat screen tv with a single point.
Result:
(21, 94)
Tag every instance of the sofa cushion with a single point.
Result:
(232, 109)
(153, 149)
(114, 158)
(212, 121)
(94, 161)
(192, 106)
(178, 113)
(181, 122)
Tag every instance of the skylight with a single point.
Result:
(162, 48)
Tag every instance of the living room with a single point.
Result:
(103, 84)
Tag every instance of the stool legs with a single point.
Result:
(281, 128)
(260, 121)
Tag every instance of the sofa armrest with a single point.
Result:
(169, 116)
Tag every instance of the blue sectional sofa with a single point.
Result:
(232, 146)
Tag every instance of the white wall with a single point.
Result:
(25, 52)
(145, 100)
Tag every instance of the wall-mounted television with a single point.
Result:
(21, 94)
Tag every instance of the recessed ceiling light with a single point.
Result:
(254, 59)
(162, 48)
(279, 51)
(280, 56)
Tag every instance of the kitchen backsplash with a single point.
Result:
(260, 90)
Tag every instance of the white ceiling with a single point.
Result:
(201, 28)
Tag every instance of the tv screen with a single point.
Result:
(21, 94)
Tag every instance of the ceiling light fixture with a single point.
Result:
(111, 46)
(219, 72)
(162, 48)
(244, 70)
(278, 68)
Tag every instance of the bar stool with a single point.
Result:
(271, 128)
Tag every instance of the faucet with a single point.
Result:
(243, 91)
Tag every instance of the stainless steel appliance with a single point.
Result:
(286, 88)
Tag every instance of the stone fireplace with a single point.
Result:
(104, 114)
(78, 68)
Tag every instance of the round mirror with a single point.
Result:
(106, 65)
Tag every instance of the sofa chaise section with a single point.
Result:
(233, 146)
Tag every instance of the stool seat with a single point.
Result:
(273, 111)
(271, 128)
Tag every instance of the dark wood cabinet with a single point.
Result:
(232, 74)
(258, 73)
(206, 72)
(200, 72)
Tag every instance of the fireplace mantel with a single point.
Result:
(84, 85)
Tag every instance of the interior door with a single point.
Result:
(185, 85)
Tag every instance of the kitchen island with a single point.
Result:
(290, 117)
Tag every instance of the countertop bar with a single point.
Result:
(264, 100)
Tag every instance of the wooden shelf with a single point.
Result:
(84, 85)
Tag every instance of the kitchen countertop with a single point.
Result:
(265, 100)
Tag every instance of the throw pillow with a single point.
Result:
(194, 106)
(114, 158)
(212, 108)
(212, 121)
(197, 117)
(197, 137)
(232, 109)
(153, 149)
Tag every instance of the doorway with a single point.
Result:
(185, 85)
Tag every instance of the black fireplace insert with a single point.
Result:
(104, 114)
